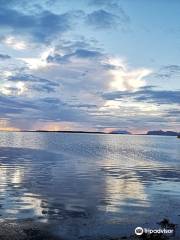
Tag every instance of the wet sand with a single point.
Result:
(28, 230)
(25, 231)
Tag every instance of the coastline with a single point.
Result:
(29, 230)
(87, 132)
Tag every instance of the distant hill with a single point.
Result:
(119, 132)
(162, 133)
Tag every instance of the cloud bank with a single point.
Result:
(54, 75)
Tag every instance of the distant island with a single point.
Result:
(94, 132)
(163, 133)
(120, 132)
(117, 131)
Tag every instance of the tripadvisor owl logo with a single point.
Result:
(139, 231)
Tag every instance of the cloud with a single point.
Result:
(76, 68)
(123, 78)
(84, 53)
(109, 15)
(17, 110)
(171, 68)
(66, 88)
(4, 57)
(14, 43)
(38, 62)
(100, 2)
(159, 96)
(41, 26)
(17, 88)
(83, 105)
(13, 3)
(146, 94)
(56, 73)
(79, 53)
(16, 103)
(110, 5)
(102, 19)
(52, 109)
(104, 2)
(94, 69)
(168, 71)
(173, 112)
(34, 83)
(42, 23)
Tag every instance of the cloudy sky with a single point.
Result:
(90, 65)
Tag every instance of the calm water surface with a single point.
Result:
(89, 185)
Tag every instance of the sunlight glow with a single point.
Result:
(5, 125)
(124, 79)
(15, 43)
(13, 88)
(55, 126)
(21, 88)
(39, 62)
(7, 74)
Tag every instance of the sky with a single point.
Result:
(93, 65)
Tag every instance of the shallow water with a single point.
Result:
(89, 184)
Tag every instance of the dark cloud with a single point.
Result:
(79, 42)
(31, 78)
(174, 112)
(14, 19)
(42, 26)
(171, 68)
(147, 95)
(41, 88)
(38, 108)
(160, 97)
(86, 106)
(102, 19)
(83, 53)
(79, 53)
(168, 71)
(51, 100)
(35, 83)
(13, 3)
(11, 106)
(53, 109)
(100, 2)
(10, 110)
(57, 103)
(4, 56)
(113, 5)
(109, 15)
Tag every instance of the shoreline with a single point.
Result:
(91, 133)
(33, 230)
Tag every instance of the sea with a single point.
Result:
(87, 186)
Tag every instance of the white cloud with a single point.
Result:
(6, 74)
(124, 79)
(15, 43)
(15, 89)
(39, 61)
